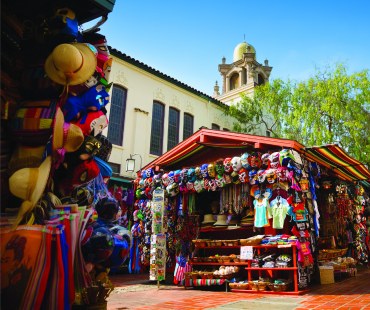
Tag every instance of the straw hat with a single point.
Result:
(221, 220)
(29, 183)
(65, 135)
(71, 64)
(208, 218)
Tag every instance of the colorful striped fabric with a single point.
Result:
(335, 158)
(204, 282)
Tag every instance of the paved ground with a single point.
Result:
(136, 292)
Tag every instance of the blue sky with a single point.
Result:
(187, 39)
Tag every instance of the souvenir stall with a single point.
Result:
(242, 211)
(59, 236)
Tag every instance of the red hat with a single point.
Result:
(85, 172)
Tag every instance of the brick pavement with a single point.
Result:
(136, 292)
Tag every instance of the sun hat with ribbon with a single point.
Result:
(29, 184)
(65, 135)
(71, 63)
(221, 220)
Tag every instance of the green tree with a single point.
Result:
(330, 107)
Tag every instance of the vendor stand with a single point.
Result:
(224, 188)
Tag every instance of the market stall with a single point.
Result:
(222, 189)
(59, 236)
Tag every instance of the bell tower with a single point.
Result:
(242, 75)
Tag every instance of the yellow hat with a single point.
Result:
(65, 135)
(71, 64)
(29, 183)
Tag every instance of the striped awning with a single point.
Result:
(334, 157)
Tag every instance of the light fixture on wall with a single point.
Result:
(130, 163)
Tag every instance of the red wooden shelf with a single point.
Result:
(270, 292)
(274, 268)
(220, 247)
(218, 264)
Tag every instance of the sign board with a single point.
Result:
(246, 252)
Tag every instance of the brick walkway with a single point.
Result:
(136, 292)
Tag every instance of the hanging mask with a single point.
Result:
(244, 160)
(184, 175)
(270, 176)
(219, 168)
(228, 165)
(236, 164)
(176, 176)
(282, 174)
(171, 176)
(212, 185)
(253, 177)
(243, 175)
(285, 156)
(165, 180)
(265, 159)
(255, 160)
(191, 175)
(274, 160)
(261, 176)
(204, 170)
(211, 170)
(198, 173)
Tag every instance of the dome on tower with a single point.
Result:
(242, 48)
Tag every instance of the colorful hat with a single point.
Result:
(84, 172)
(105, 169)
(105, 148)
(94, 99)
(65, 135)
(71, 64)
(93, 123)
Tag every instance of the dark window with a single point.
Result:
(226, 129)
(116, 168)
(173, 128)
(234, 81)
(188, 126)
(117, 115)
(268, 133)
(261, 80)
(156, 138)
(215, 126)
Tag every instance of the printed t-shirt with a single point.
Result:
(279, 210)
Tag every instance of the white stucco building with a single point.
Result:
(150, 112)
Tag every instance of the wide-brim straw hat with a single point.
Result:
(71, 63)
(208, 219)
(66, 135)
(29, 183)
(221, 220)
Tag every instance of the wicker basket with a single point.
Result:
(254, 285)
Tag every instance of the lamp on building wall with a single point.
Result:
(130, 163)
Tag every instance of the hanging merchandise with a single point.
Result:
(262, 212)
(279, 209)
